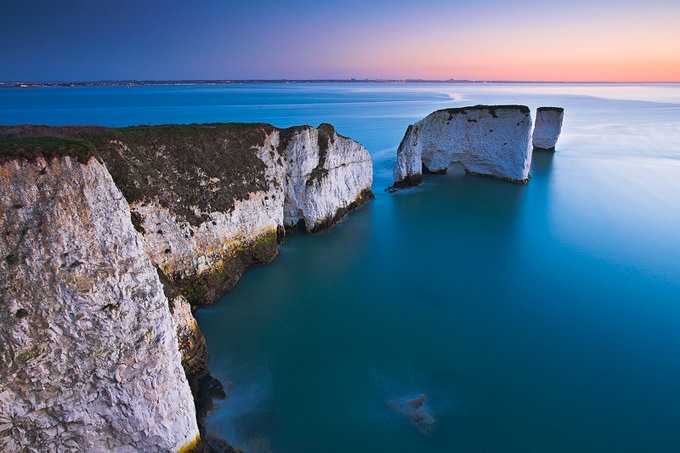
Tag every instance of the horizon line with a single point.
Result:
(34, 83)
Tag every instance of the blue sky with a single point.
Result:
(210, 39)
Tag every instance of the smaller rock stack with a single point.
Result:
(548, 127)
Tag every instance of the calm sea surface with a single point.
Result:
(535, 318)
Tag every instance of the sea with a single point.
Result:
(534, 318)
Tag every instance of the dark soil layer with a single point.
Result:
(550, 109)
(490, 108)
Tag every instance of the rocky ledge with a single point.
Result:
(106, 237)
(484, 139)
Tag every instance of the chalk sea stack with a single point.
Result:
(492, 140)
(107, 235)
(548, 127)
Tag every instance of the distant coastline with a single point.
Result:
(131, 83)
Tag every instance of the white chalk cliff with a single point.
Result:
(304, 174)
(548, 127)
(97, 266)
(325, 174)
(88, 350)
(485, 140)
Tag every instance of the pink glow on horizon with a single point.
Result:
(641, 45)
(519, 40)
(634, 71)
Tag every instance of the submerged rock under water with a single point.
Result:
(416, 412)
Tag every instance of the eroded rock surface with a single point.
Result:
(211, 200)
(88, 350)
(548, 128)
(88, 273)
(326, 176)
(485, 140)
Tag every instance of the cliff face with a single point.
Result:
(191, 343)
(210, 200)
(88, 350)
(326, 176)
(548, 127)
(485, 140)
(99, 267)
(291, 175)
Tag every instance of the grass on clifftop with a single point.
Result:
(182, 167)
(33, 147)
(207, 166)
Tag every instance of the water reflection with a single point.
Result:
(541, 162)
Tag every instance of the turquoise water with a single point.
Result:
(538, 318)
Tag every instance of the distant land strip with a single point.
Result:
(130, 83)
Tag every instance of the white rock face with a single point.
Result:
(326, 173)
(88, 347)
(313, 175)
(548, 127)
(88, 350)
(190, 340)
(485, 140)
(183, 251)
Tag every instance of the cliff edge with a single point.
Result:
(211, 200)
(108, 234)
(88, 351)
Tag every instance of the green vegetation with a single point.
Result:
(169, 288)
(326, 138)
(136, 219)
(316, 175)
(325, 224)
(33, 147)
(30, 355)
(208, 166)
(192, 170)
(205, 288)
(21, 313)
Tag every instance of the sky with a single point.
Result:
(567, 40)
